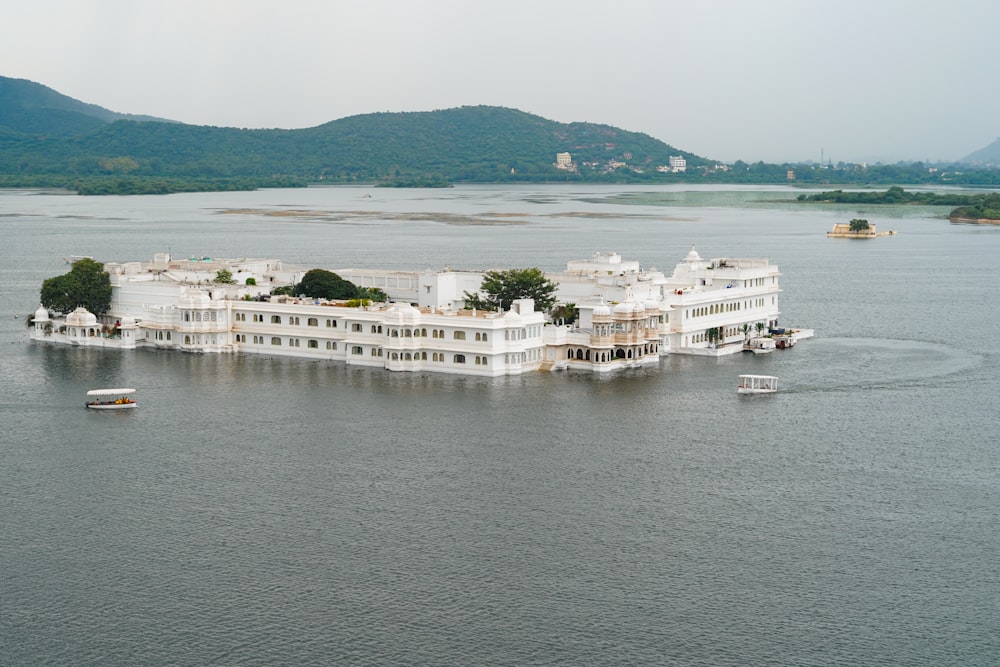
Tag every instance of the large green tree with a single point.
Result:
(87, 284)
(500, 288)
(323, 284)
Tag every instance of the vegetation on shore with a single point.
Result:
(970, 207)
(894, 195)
(985, 208)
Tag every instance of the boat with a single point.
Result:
(111, 399)
(757, 384)
(760, 345)
(784, 341)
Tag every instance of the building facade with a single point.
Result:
(627, 316)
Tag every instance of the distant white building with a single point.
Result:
(565, 161)
(677, 164)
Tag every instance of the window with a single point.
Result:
(459, 335)
(356, 327)
(294, 342)
(275, 319)
(331, 324)
(459, 358)
(331, 345)
(313, 344)
(275, 340)
(357, 349)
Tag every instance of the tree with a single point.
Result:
(323, 284)
(500, 289)
(859, 224)
(224, 277)
(87, 285)
(567, 312)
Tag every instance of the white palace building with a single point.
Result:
(627, 316)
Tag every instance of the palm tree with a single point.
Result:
(760, 327)
(746, 330)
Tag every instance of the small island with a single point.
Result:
(986, 211)
(858, 228)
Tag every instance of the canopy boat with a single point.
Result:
(111, 399)
(760, 345)
(757, 384)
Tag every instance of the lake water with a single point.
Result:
(262, 511)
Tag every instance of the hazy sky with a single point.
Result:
(772, 80)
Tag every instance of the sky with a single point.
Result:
(771, 80)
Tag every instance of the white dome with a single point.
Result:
(652, 305)
(602, 311)
(42, 314)
(128, 321)
(81, 317)
(624, 308)
(693, 256)
(402, 313)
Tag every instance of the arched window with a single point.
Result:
(459, 335)
(459, 358)
(275, 340)
(312, 322)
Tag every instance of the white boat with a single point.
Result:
(111, 399)
(760, 345)
(757, 384)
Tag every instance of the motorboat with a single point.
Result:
(757, 384)
(111, 399)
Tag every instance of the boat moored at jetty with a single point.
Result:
(760, 345)
(757, 384)
(111, 399)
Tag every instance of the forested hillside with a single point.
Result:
(50, 140)
(47, 135)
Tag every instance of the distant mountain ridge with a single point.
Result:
(43, 131)
(990, 155)
(27, 107)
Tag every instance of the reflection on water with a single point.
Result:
(259, 510)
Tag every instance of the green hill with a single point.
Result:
(29, 108)
(46, 134)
